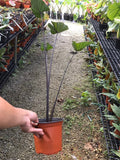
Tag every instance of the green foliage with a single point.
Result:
(116, 152)
(116, 110)
(2, 58)
(69, 121)
(111, 95)
(85, 98)
(46, 48)
(57, 27)
(115, 135)
(38, 7)
(113, 10)
(70, 104)
(81, 45)
(116, 126)
(111, 117)
(22, 61)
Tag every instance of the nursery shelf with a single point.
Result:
(12, 36)
(111, 142)
(108, 46)
(12, 66)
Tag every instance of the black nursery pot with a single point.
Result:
(103, 26)
(53, 15)
(117, 43)
(59, 15)
(66, 16)
(71, 17)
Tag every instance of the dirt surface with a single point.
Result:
(82, 133)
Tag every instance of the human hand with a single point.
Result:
(31, 121)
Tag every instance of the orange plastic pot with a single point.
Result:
(51, 141)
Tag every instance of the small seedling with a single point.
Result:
(70, 104)
(85, 98)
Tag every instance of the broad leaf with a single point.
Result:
(113, 11)
(112, 27)
(110, 95)
(116, 126)
(116, 152)
(115, 135)
(110, 117)
(57, 27)
(117, 20)
(116, 110)
(81, 45)
(38, 7)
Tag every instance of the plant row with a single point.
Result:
(68, 10)
(107, 13)
(21, 33)
(16, 4)
(106, 84)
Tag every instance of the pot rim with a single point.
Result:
(54, 120)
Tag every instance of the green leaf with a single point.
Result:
(2, 51)
(116, 152)
(110, 117)
(57, 27)
(113, 11)
(81, 45)
(115, 135)
(117, 20)
(110, 95)
(116, 110)
(42, 47)
(112, 26)
(38, 7)
(48, 47)
(116, 126)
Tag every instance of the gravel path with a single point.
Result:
(26, 89)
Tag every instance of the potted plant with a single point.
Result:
(115, 120)
(59, 8)
(113, 14)
(51, 142)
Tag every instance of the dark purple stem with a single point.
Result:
(53, 108)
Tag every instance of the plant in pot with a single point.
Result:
(117, 42)
(59, 5)
(71, 5)
(115, 118)
(113, 96)
(51, 142)
(112, 13)
(81, 16)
